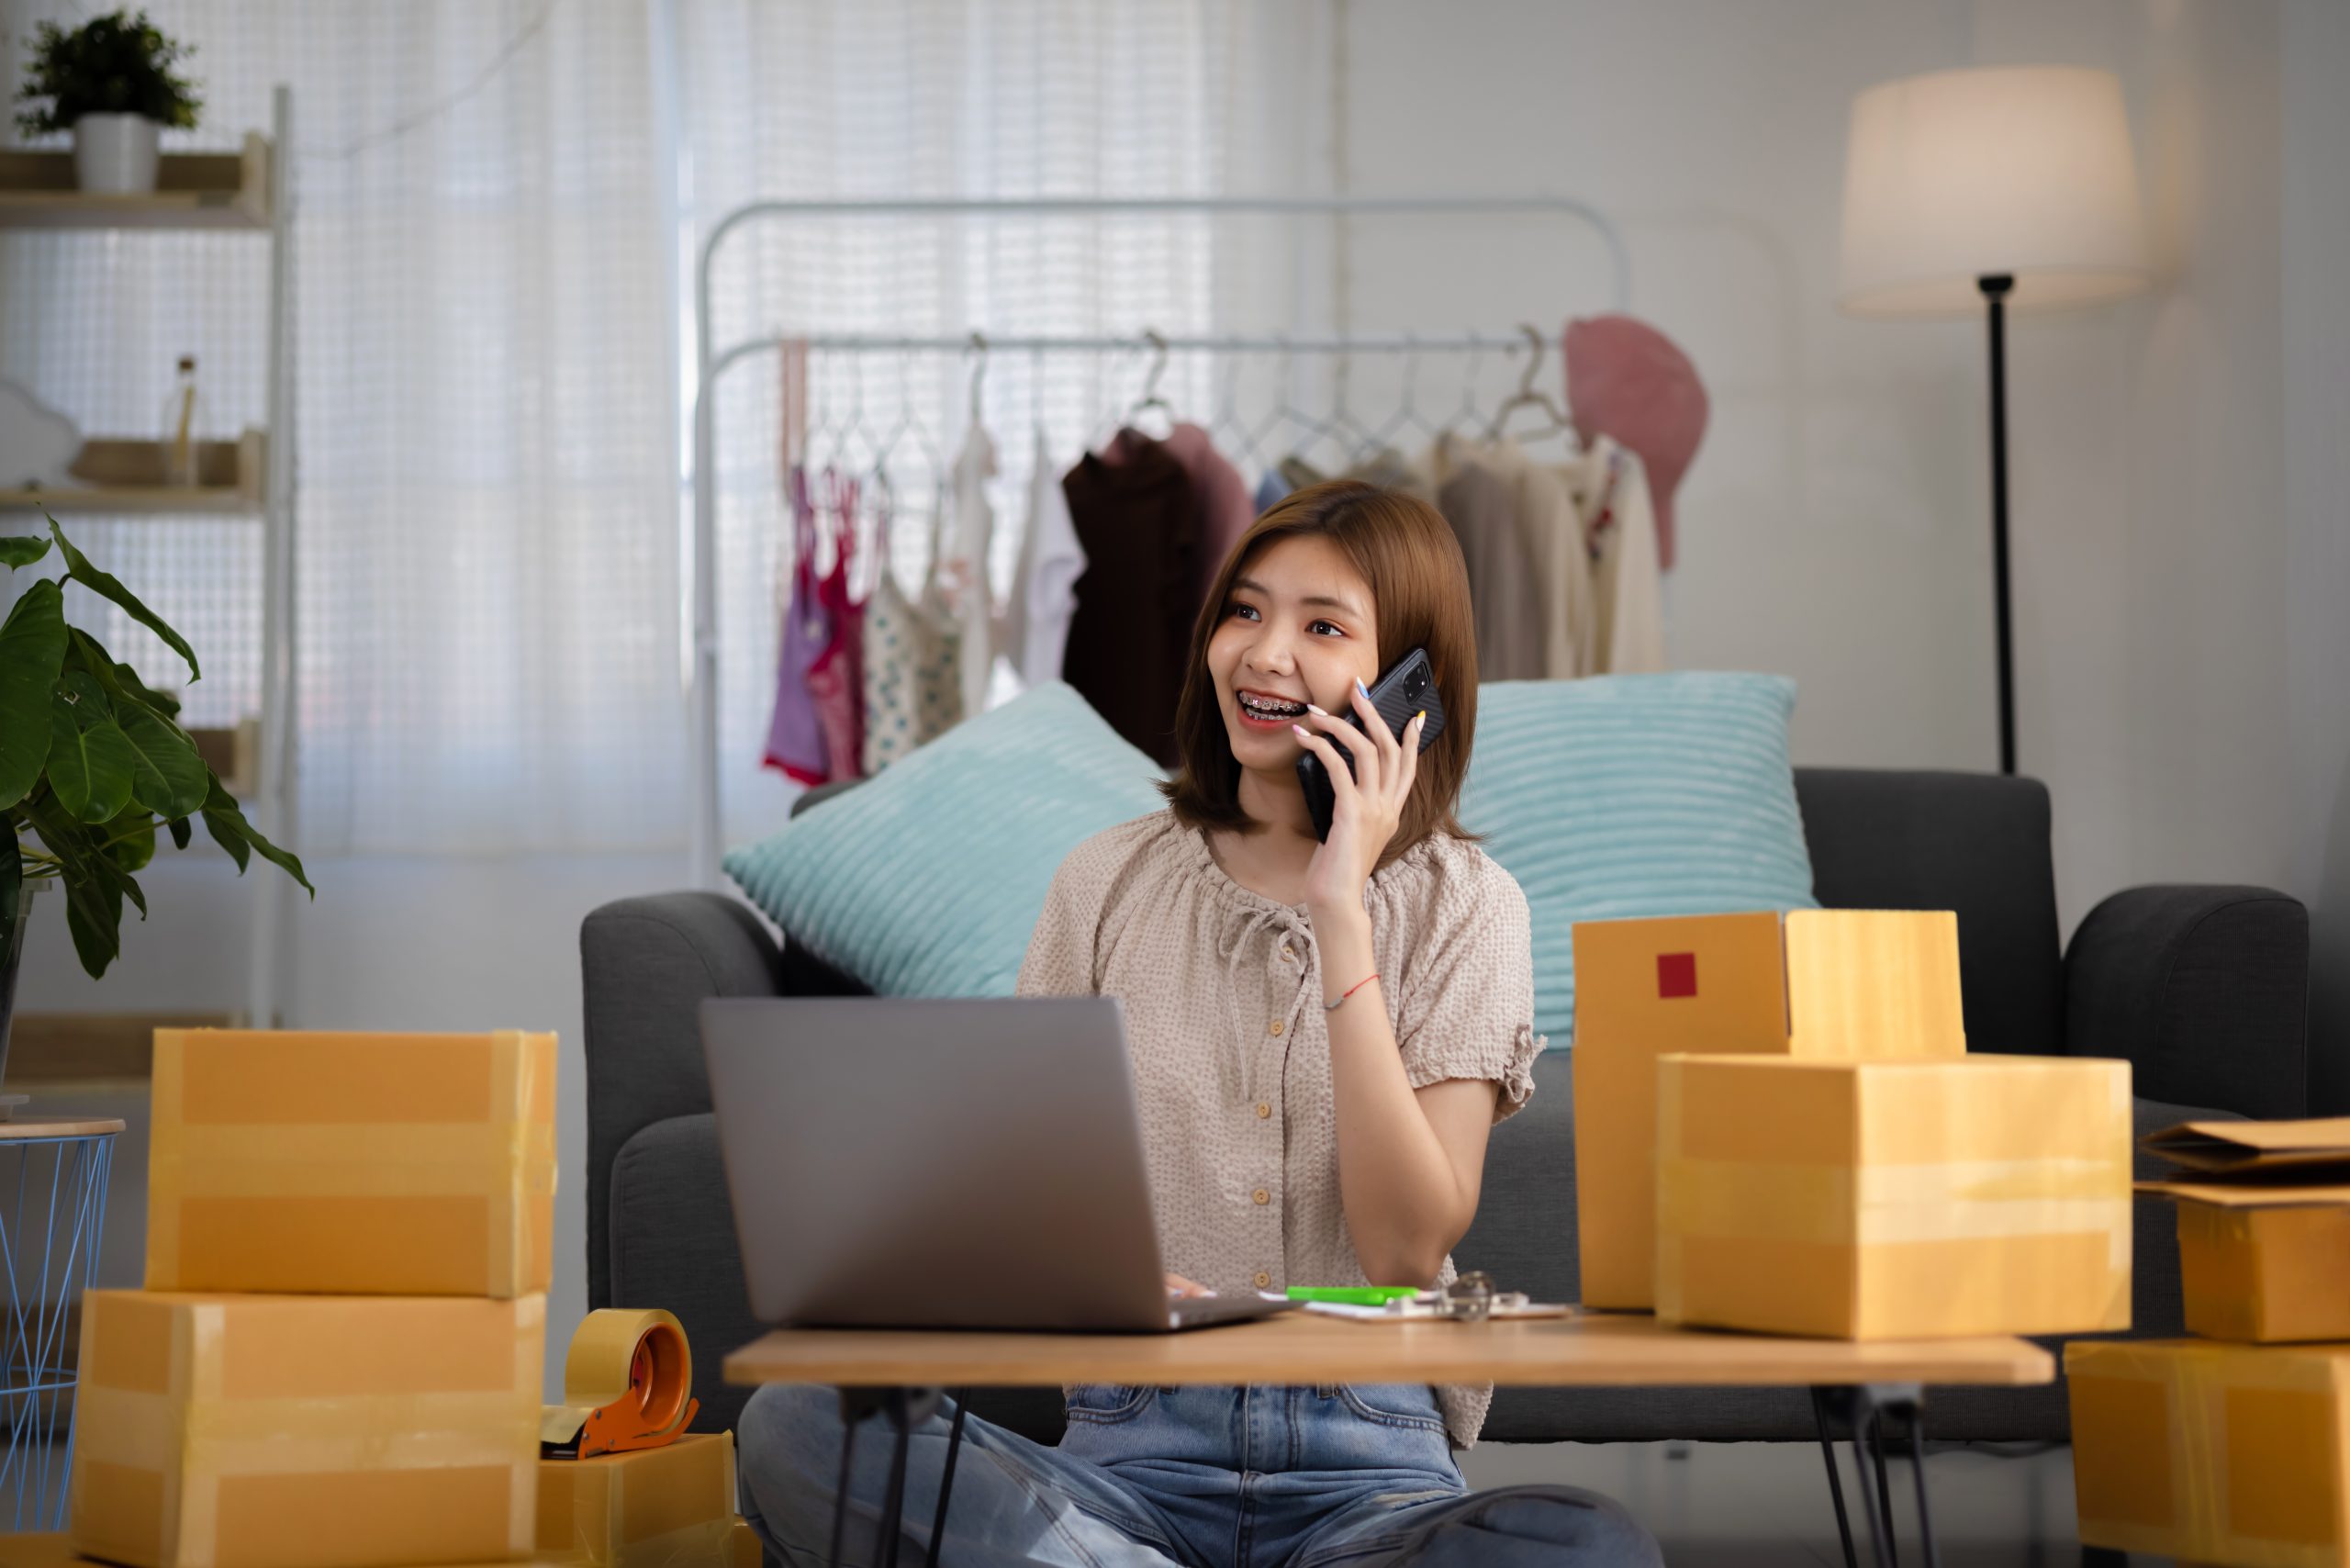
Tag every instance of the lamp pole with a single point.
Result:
(1996, 288)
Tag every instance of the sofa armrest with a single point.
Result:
(645, 965)
(2205, 991)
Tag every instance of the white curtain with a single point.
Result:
(499, 204)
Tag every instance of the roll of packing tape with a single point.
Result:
(627, 1383)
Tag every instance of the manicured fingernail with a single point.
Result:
(1417, 717)
(1360, 687)
(1312, 709)
(1299, 729)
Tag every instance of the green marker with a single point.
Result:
(1353, 1295)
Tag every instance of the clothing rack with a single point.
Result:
(701, 654)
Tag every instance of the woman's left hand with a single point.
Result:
(1369, 801)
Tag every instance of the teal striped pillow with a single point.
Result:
(1631, 795)
(927, 879)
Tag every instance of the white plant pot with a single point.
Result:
(116, 154)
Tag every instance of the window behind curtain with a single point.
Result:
(486, 399)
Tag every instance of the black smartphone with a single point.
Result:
(1407, 686)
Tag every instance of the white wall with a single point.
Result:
(1836, 524)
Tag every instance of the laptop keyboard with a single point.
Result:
(1191, 1311)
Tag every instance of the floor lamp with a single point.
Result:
(2007, 187)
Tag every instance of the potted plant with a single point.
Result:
(109, 82)
(91, 761)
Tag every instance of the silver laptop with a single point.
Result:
(946, 1164)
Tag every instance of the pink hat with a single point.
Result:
(1627, 380)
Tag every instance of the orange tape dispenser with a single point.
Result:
(627, 1383)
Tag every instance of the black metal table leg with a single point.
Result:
(904, 1409)
(1835, 1477)
(1867, 1409)
(1884, 1492)
(946, 1480)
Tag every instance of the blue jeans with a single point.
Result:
(1255, 1477)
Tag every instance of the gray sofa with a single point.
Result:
(2202, 989)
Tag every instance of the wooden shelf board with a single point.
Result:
(194, 190)
(86, 499)
(160, 210)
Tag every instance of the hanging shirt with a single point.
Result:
(1230, 1047)
(1044, 584)
(1131, 629)
(1219, 494)
(1551, 532)
(795, 734)
(836, 679)
(963, 574)
(1504, 591)
(914, 686)
(1610, 486)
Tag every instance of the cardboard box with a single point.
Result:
(284, 1161)
(56, 1551)
(1826, 984)
(224, 1432)
(667, 1507)
(1893, 1200)
(2256, 1149)
(2214, 1453)
(2262, 1263)
(744, 1550)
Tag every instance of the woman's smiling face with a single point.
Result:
(1299, 627)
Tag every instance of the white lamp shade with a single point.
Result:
(1958, 174)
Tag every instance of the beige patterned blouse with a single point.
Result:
(1223, 994)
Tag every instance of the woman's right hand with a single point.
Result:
(1178, 1286)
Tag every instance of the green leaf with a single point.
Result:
(228, 825)
(120, 680)
(78, 568)
(32, 653)
(167, 776)
(90, 759)
(130, 838)
(181, 831)
(93, 901)
(228, 833)
(22, 549)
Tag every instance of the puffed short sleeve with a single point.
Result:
(1059, 961)
(1466, 1008)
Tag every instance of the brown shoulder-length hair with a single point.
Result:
(1419, 588)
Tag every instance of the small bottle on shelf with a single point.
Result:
(185, 420)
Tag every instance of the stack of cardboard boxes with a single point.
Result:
(2233, 1448)
(337, 1359)
(1778, 1127)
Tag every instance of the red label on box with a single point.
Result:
(1676, 974)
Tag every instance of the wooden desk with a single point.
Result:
(1583, 1350)
(897, 1373)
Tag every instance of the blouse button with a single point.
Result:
(1274, 1029)
(1264, 1109)
(1261, 1197)
(1289, 953)
(1263, 1279)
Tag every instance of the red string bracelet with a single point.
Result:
(1334, 1006)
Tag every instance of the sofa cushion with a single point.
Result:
(926, 880)
(1635, 795)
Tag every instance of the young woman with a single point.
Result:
(1323, 1034)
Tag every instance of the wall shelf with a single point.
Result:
(127, 476)
(193, 190)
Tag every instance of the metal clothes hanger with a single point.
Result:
(1150, 399)
(1408, 415)
(1527, 396)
